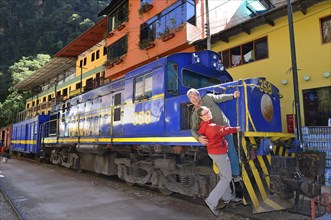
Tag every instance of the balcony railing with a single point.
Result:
(39, 109)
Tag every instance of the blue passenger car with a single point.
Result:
(26, 135)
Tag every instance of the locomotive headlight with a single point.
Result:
(214, 56)
(214, 64)
(265, 147)
(221, 67)
(195, 58)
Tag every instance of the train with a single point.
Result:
(5, 138)
(137, 127)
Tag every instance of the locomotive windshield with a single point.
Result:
(195, 80)
(172, 78)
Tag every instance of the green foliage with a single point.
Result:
(87, 23)
(15, 101)
(11, 106)
(27, 65)
(34, 27)
(74, 18)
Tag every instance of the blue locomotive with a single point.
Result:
(138, 128)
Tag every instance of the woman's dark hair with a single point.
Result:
(201, 109)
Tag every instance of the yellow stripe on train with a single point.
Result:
(24, 142)
(118, 140)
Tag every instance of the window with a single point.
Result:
(118, 49)
(65, 92)
(93, 57)
(78, 85)
(44, 99)
(326, 29)
(225, 58)
(118, 16)
(85, 60)
(89, 84)
(246, 53)
(148, 30)
(28, 105)
(235, 56)
(145, 1)
(143, 87)
(104, 51)
(80, 63)
(261, 49)
(195, 80)
(172, 78)
(117, 110)
(49, 98)
(97, 54)
(174, 16)
(317, 106)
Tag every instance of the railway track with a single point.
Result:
(7, 208)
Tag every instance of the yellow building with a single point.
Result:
(262, 48)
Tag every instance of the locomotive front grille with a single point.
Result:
(185, 115)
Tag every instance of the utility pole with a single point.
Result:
(294, 71)
(207, 26)
(81, 76)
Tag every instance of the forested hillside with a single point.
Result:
(31, 27)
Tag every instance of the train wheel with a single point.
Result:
(37, 158)
(129, 183)
(77, 166)
(165, 191)
(79, 170)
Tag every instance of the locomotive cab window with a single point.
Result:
(143, 87)
(117, 109)
(172, 78)
(195, 80)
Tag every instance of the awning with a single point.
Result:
(54, 67)
(86, 40)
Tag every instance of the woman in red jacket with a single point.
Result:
(217, 148)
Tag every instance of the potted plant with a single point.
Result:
(120, 26)
(108, 64)
(118, 60)
(166, 35)
(168, 32)
(145, 7)
(146, 44)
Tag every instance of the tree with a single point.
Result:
(15, 101)
(26, 66)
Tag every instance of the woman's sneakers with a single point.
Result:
(212, 208)
(233, 199)
(236, 178)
